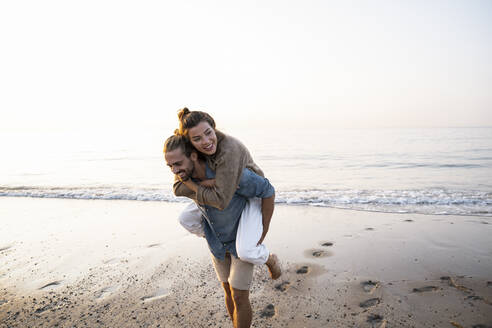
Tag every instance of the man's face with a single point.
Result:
(179, 164)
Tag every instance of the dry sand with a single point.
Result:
(77, 263)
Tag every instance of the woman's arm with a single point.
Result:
(188, 188)
(226, 181)
(209, 183)
(180, 189)
(228, 166)
(193, 186)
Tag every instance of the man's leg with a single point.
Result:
(222, 268)
(242, 308)
(228, 299)
(236, 276)
(240, 277)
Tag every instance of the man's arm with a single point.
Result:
(267, 206)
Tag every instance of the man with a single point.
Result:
(220, 226)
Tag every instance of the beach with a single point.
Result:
(371, 120)
(101, 263)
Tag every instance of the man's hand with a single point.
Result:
(263, 235)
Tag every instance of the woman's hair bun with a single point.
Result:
(176, 132)
(182, 113)
(189, 119)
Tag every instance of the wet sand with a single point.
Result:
(82, 263)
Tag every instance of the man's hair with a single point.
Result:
(178, 141)
(189, 119)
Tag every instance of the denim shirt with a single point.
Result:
(221, 226)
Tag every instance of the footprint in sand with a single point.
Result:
(370, 286)
(370, 302)
(51, 285)
(283, 286)
(425, 289)
(317, 253)
(481, 326)
(3, 302)
(376, 319)
(303, 270)
(474, 298)
(369, 229)
(451, 281)
(327, 244)
(45, 308)
(153, 245)
(112, 260)
(4, 248)
(489, 283)
(409, 220)
(106, 291)
(268, 311)
(160, 293)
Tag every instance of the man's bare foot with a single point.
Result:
(273, 266)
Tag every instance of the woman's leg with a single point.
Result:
(191, 220)
(249, 233)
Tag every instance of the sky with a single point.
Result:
(81, 65)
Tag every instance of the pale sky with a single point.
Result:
(84, 64)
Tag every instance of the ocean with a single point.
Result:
(438, 171)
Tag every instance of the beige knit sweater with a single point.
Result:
(228, 163)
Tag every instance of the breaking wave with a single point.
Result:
(425, 201)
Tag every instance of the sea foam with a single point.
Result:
(423, 201)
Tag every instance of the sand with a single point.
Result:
(84, 263)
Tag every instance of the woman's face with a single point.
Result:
(203, 138)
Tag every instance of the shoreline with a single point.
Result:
(172, 199)
(80, 263)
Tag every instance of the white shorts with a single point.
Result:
(248, 232)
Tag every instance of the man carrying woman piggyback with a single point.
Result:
(232, 208)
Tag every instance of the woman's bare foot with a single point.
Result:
(273, 266)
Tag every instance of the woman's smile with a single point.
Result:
(203, 138)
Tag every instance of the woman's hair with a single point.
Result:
(189, 119)
(178, 141)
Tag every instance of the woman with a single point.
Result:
(227, 157)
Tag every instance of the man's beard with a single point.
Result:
(189, 175)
